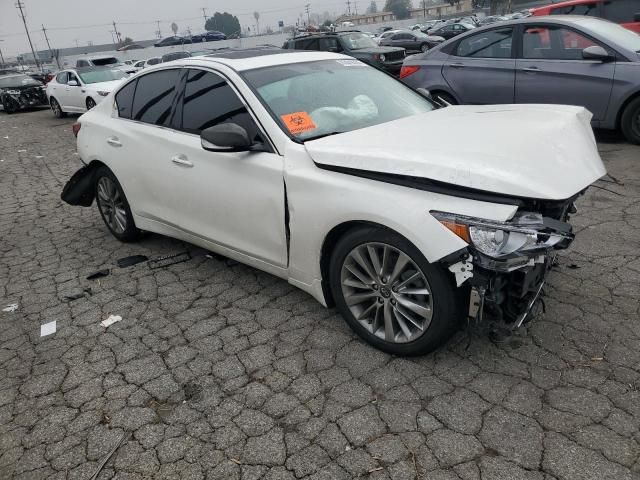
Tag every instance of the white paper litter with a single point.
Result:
(21, 151)
(39, 156)
(48, 329)
(111, 320)
(6, 138)
(10, 308)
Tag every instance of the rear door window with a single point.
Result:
(62, 77)
(124, 99)
(330, 45)
(154, 97)
(589, 9)
(209, 100)
(488, 44)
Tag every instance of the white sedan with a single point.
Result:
(326, 172)
(79, 90)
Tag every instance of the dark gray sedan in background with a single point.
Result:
(569, 60)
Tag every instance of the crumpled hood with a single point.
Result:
(534, 151)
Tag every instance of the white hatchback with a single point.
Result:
(81, 89)
(326, 172)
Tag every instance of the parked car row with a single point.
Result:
(210, 36)
(312, 166)
(575, 60)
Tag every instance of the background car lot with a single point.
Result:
(220, 370)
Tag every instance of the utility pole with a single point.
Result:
(1, 57)
(158, 32)
(115, 29)
(349, 7)
(204, 14)
(20, 6)
(113, 39)
(307, 7)
(44, 31)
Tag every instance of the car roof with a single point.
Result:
(250, 59)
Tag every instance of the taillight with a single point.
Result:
(75, 128)
(407, 70)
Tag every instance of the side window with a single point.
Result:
(590, 9)
(621, 11)
(488, 44)
(154, 96)
(308, 44)
(83, 63)
(330, 45)
(209, 100)
(554, 43)
(124, 99)
(62, 77)
(73, 77)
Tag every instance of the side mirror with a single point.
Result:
(596, 52)
(72, 83)
(425, 93)
(229, 137)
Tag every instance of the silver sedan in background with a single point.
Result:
(570, 60)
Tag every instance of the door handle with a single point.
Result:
(531, 69)
(457, 65)
(182, 161)
(114, 142)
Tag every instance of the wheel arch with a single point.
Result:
(623, 106)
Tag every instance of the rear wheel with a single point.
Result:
(114, 207)
(390, 295)
(90, 103)
(56, 108)
(630, 121)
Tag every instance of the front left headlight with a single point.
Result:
(382, 57)
(526, 234)
(102, 93)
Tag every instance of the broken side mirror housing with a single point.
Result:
(229, 137)
(596, 52)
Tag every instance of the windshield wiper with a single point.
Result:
(322, 136)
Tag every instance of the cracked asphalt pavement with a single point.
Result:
(219, 371)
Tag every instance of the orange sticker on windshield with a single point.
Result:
(298, 122)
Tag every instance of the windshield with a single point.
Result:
(97, 76)
(313, 99)
(614, 32)
(419, 34)
(357, 41)
(17, 81)
(105, 61)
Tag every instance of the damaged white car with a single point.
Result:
(328, 173)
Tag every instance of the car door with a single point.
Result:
(481, 69)
(75, 94)
(58, 88)
(551, 69)
(140, 142)
(235, 199)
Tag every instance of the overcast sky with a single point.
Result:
(93, 16)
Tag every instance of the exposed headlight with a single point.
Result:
(526, 234)
(102, 93)
(382, 57)
(12, 92)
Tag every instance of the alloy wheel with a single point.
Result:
(55, 106)
(386, 292)
(90, 103)
(111, 205)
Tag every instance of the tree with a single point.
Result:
(256, 15)
(126, 41)
(223, 22)
(174, 28)
(373, 7)
(327, 23)
(400, 8)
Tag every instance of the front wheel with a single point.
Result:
(90, 103)
(114, 207)
(56, 108)
(630, 121)
(390, 295)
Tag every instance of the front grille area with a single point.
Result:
(394, 56)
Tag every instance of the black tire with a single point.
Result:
(448, 303)
(56, 108)
(130, 232)
(90, 103)
(446, 97)
(630, 121)
(8, 105)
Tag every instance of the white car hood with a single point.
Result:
(104, 86)
(535, 151)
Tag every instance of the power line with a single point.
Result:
(20, 7)
(115, 29)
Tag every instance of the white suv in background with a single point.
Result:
(319, 169)
(104, 61)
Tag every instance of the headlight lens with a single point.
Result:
(382, 57)
(102, 93)
(525, 234)
(12, 92)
